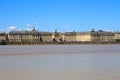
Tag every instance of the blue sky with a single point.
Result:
(63, 15)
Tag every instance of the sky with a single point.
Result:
(63, 15)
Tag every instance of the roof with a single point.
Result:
(70, 33)
(29, 33)
(116, 32)
(2, 34)
(82, 33)
(45, 33)
(75, 33)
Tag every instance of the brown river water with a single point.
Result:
(60, 62)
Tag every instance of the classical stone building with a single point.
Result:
(77, 36)
(58, 36)
(62, 37)
(46, 36)
(117, 36)
(102, 36)
(37, 37)
(30, 36)
(3, 36)
(70, 36)
(23, 36)
(93, 36)
(83, 37)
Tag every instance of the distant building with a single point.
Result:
(37, 37)
(46, 36)
(30, 36)
(23, 36)
(3, 36)
(70, 36)
(117, 36)
(83, 37)
(102, 36)
(77, 36)
(58, 36)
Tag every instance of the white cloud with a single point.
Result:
(1, 30)
(28, 25)
(28, 29)
(11, 28)
(108, 30)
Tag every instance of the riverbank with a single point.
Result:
(62, 43)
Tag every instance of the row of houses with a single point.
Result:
(36, 36)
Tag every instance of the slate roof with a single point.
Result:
(30, 33)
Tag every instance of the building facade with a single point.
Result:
(37, 37)
(46, 36)
(58, 36)
(83, 37)
(30, 37)
(102, 36)
(77, 37)
(23, 36)
(117, 36)
(70, 36)
(3, 37)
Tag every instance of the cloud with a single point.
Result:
(28, 27)
(108, 30)
(11, 28)
(1, 30)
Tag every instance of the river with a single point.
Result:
(60, 62)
